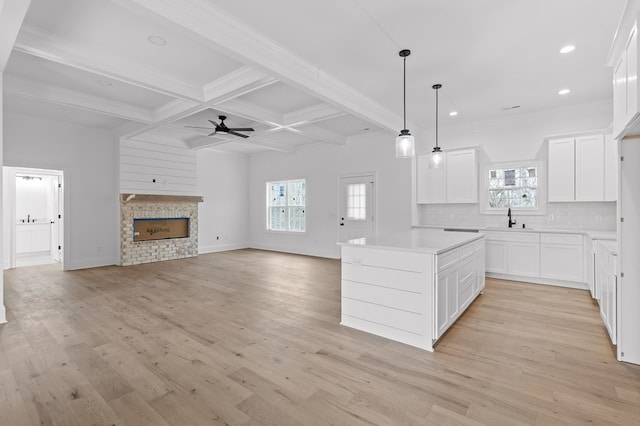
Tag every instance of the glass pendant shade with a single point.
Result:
(436, 158)
(405, 145)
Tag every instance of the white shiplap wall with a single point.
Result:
(172, 165)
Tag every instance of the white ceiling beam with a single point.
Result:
(322, 135)
(236, 83)
(12, 13)
(313, 114)
(37, 43)
(207, 142)
(234, 38)
(251, 112)
(82, 101)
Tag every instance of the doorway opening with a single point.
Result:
(33, 211)
(356, 206)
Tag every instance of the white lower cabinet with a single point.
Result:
(607, 284)
(548, 258)
(513, 253)
(459, 279)
(562, 257)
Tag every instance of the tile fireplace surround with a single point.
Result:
(144, 206)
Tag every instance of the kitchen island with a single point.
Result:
(410, 286)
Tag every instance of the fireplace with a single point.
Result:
(154, 228)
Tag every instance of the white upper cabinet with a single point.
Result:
(455, 181)
(561, 170)
(590, 168)
(577, 169)
(610, 168)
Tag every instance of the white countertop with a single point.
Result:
(431, 241)
(593, 234)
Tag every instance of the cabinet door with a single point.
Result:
(620, 95)
(561, 170)
(610, 168)
(495, 256)
(447, 299)
(524, 259)
(461, 176)
(589, 165)
(631, 86)
(431, 182)
(561, 261)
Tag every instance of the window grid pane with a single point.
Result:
(513, 187)
(356, 201)
(286, 206)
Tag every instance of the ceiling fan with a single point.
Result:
(222, 128)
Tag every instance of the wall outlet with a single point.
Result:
(598, 218)
(551, 218)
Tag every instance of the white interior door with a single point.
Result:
(56, 221)
(356, 207)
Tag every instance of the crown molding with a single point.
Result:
(312, 114)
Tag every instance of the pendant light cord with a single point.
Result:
(436, 118)
(404, 92)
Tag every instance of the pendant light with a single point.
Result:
(436, 154)
(405, 146)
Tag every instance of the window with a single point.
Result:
(356, 201)
(286, 205)
(515, 186)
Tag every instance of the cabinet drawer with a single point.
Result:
(572, 239)
(446, 259)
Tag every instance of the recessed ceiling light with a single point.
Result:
(568, 48)
(104, 83)
(157, 40)
(564, 92)
(453, 113)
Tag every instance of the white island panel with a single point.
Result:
(389, 283)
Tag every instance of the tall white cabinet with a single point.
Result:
(455, 181)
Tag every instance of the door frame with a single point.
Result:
(9, 210)
(373, 176)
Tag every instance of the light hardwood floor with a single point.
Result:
(253, 337)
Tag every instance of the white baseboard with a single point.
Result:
(90, 263)
(3, 314)
(222, 247)
(304, 251)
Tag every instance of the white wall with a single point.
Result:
(223, 217)
(521, 137)
(157, 166)
(321, 165)
(88, 158)
(3, 316)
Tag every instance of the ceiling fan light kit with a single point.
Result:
(405, 143)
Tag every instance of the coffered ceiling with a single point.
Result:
(301, 72)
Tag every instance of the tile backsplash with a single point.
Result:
(597, 216)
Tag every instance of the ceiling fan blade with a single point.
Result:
(231, 132)
(241, 129)
(213, 122)
(211, 134)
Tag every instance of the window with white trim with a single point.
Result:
(518, 186)
(286, 210)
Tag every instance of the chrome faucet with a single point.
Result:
(29, 218)
(511, 222)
